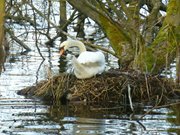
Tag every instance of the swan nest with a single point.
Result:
(112, 86)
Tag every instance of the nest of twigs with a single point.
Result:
(112, 86)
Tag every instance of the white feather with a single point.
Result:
(88, 64)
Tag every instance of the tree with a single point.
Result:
(145, 43)
(2, 10)
(63, 18)
(2, 50)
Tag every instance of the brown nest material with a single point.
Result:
(112, 86)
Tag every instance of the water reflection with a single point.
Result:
(83, 119)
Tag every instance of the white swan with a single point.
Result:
(88, 63)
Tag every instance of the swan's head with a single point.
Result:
(71, 43)
(63, 47)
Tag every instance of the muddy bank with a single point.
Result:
(112, 86)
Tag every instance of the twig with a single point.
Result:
(141, 124)
(129, 95)
(54, 25)
(35, 26)
(147, 87)
(156, 107)
(62, 27)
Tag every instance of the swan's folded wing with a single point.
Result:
(91, 57)
(78, 66)
(80, 70)
(88, 64)
(93, 62)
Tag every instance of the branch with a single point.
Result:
(17, 40)
(100, 48)
(130, 98)
(54, 25)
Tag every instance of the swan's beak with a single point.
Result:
(61, 52)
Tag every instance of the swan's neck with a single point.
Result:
(79, 44)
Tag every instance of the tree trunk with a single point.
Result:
(79, 28)
(178, 66)
(63, 19)
(163, 49)
(2, 50)
(2, 11)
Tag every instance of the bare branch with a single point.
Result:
(17, 40)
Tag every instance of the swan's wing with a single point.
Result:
(88, 64)
(93, 62)
(91, 58)
(77, 66)
(80, 70)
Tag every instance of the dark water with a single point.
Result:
(23, 116)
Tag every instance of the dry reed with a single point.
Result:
(108, 87)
